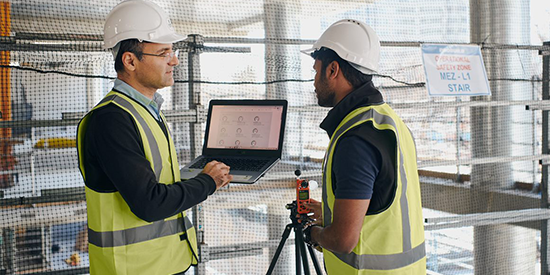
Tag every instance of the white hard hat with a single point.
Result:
(354, 42)
(138, 19)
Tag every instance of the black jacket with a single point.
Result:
(114, 160)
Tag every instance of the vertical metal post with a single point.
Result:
(534, 149)
(7, 162)
(2, 251)
(458, 140)
(196, 43)
(11, 248)
(545, 151)
(46, 235)
(301, 116)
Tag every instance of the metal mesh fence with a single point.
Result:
(482, 156)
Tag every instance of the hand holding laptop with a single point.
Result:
(219, 172)
(244, 134)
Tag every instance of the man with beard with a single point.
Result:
(370, 219)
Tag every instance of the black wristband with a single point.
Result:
(307, 237)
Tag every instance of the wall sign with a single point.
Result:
(454, 70)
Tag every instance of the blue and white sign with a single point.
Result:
(454, 70)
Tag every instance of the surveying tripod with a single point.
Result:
(301, 255)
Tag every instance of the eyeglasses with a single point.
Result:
(167, 55)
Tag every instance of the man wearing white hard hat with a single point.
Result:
(135, 199)
(370, 218)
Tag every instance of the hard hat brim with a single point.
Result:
(358, 67)
(362, 69)
(170, 38)
(308, 51)
(167, 39)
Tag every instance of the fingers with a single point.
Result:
(216, 165)
(224, 178)
(308, 221)
(227, 180)
(219, 172)
(314, 201)
(313, 206)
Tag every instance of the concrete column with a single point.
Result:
(504, 249)
(502, 131)
(282, 21)
(282, 62)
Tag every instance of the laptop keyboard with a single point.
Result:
(234, 163)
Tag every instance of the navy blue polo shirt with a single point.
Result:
(355, 165)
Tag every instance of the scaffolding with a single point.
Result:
(453, 172)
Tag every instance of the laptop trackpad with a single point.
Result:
(240, 177)
(191, 173)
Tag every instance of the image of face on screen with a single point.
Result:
(245, 127)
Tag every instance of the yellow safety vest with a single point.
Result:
(392, 241)
(120, 242)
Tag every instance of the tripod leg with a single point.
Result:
(298, 254)
(299, 238)
(314, 259)
(286, 233)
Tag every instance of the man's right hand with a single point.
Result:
(315, 208)
(219, 172)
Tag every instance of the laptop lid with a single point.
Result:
(245, 128)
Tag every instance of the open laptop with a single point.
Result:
(247, 135)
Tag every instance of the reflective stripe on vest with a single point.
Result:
(156, 229)
(139, 234)
(376, 262)
(155, 152)
(384, 262)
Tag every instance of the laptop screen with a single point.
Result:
(246, 127)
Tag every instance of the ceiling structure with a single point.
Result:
(205, 17)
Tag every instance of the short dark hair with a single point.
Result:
(129, 45)
(354, 76)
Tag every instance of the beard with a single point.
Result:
(325, 97)
(326, 100)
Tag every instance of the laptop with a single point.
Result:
(247, 135)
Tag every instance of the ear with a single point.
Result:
(333, 69)
(128, 60)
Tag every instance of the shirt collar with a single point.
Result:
(365, 95)
(128, 90)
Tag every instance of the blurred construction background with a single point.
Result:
(483, 160)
